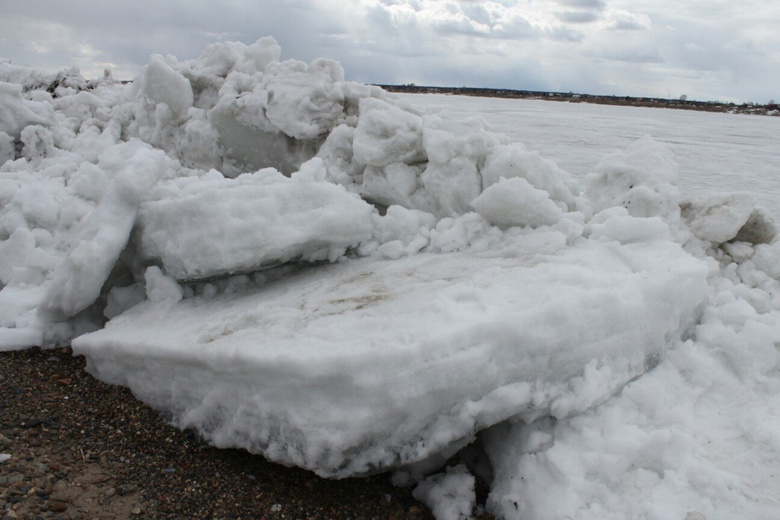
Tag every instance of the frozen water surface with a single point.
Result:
(716, 152)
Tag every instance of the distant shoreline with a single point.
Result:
(681, 104)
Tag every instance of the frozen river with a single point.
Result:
(716, 152)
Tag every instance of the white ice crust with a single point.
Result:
(309, 268)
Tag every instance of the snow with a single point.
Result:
(216, 227)
(716, 152)
(351, 282)
(451, 495)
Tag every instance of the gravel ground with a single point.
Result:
(82, 449)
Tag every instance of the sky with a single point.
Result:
(704, 49)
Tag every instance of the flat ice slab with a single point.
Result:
(365, 365)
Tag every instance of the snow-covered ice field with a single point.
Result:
(354, 282)
(716, 152)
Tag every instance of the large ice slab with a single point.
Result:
(216, 226)
(365, 365)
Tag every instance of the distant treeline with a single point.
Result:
(770, 109)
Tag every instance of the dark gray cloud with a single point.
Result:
(564, 34)
(626, 25)
(577, 16)
(580, 11)
(595, 5)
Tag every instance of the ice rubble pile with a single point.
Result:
(310, 269)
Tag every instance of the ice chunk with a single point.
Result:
(14, 338)
(7, 151)
(337, 154)
(387, 134)
(397, 183)
(159, 83)
(365, 365)
(161, 288)
(77, 280)
(19, 326)
(766, 258)
(38, 142)
(256, 221)
(760, 228)
(514, 161)
(162, 99)
(304, 102)
(642, 179)
(723, 217)
(421, 162)
(221, 58)
(402, 232)
(627, 229)
(455, 150)
(514, 202)
(247, 135)
(17, 113)
(450, 496)
(22, 261)
(120, 299)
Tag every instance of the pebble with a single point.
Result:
(57, 507)
(32, 423)
(125, 489)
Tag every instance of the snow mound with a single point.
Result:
(309, 268)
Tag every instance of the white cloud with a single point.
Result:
(625, 21)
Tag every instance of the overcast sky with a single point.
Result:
(707, 50)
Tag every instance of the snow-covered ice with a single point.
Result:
(716, 152)
(343, 280)
(361, 365)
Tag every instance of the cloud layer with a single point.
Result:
(714, 50)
